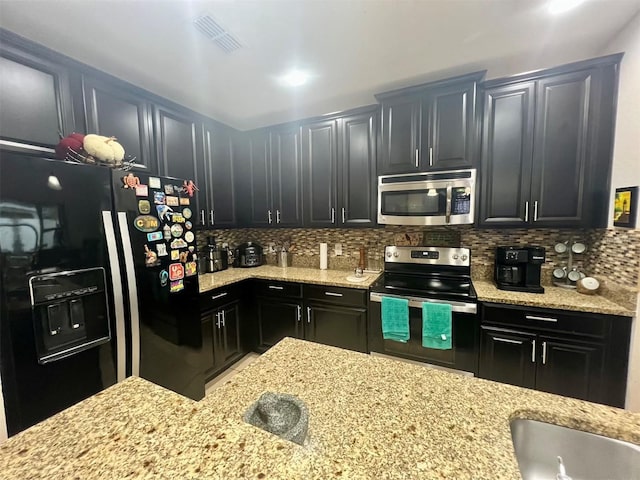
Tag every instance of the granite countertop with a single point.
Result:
(553, 297)
(335, 278)
(370, 417)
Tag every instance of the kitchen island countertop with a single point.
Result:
(370, 417)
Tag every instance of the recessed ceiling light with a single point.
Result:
(561, 6)
(294, 78)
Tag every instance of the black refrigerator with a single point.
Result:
(89, 292)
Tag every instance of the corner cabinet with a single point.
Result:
(429, 127)
(547, 142)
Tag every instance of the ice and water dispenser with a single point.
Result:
(70, 312)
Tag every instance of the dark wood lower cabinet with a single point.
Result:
(343, 327)
(507, 357)
(221, 338)
(277, 318)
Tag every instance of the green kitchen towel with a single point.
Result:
(436, 325)
(395, 319)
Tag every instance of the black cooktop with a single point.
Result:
(426, 286)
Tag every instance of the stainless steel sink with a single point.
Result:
(584, 455)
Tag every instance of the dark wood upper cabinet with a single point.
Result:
(320, 167)
(36, 106)
(254, 198)
(286, 177)
(357, 172)
(113, 111)
(218, 151)
(400, 136)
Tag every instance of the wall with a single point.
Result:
(626, 162)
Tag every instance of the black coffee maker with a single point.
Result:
(518, 268)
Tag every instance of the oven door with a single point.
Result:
(465, 335)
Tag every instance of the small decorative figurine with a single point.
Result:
(189, 188)
(130, 181)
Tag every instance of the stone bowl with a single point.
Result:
(281, 414)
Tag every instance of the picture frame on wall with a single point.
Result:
(625, 207)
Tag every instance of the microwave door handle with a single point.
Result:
(448, 208)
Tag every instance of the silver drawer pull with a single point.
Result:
(542, 319)
(331, 294)
(276, 287)
(533, 351)
(507, 340)
(220, 295)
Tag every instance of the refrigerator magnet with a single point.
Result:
(176, 271)
(186, 213)
(176, 230)
(176, 286)
(188, 225)
(151, 257)
(193, 249)
(189, 237)
(162, 249)
(177, 218)
(184, 257)
(146, 223)
(166, 232)
(154, 182)
(164, 278)
(172, 201)
(130, 181)
(142, 191)
(154, 236)
(158, 198)
(163, 212)
(144, 206)
(168, 189)
(184, 201)
(175, 254)
(190, 268)
(178, 243)
(189, 188)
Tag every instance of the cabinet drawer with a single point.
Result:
(337, 295)
(215, 298)
(276, 288)
(580, 323)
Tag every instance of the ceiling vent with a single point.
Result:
(216, 33)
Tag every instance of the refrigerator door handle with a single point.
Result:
(133, 293)
(116, 282)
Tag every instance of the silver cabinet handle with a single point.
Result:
(308, 314)
(224, 318)
(344, 215)
(277, 216)
(543, 319)
(526, 211)
(533, 351)
(269, 215)
(333, 294)
(544, 353)
(417, 157)
(202, 220)
(299, 309)
(220, 295)
(447, 213)
(431, 156)
(507, 340)
(535, 211)
(276, 287)
(218, 319)
(211, 217)
(333, 215)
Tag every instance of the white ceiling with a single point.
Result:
(354, 48)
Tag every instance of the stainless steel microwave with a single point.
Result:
(435, 198)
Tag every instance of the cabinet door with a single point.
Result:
(229, 347)
(320, 163)
(255, 201)
(508, 356)
(357, 194)
(561, 147)
(112, 111)
(344, 327)
(35, 102)
(277, 318)
(448, 134)
(208, 357)
(400, 136)
(220, 178)
(507, 152)
(286, 177)
(571, 368)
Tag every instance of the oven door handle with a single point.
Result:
(416, 302)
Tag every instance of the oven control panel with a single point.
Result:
(428, 255)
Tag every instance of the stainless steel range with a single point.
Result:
(428, 274)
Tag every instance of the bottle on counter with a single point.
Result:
(210, 254)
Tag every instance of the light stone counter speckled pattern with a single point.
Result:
(370, 417)
(335, 278)
(553, 297)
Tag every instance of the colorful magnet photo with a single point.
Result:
(130, 181)
(186, 212)
(188, 225)
(189, 237)
(190, 268)
(154, 236)
(172, 201)
(151, 257)
(176, 286)
(158, 198)
(144, 206)
(175, 254)
(184, 201)
(176, 230)
(163, 212)
(146, 223)
(142, 191)
(164, 278)
(162, 249)
(154, 182)
(176, 271)
(178, 243)
(168, 189)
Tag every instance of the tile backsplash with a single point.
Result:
(611, 253)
